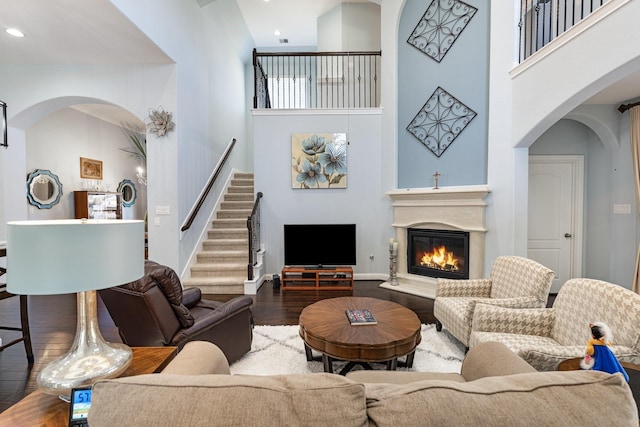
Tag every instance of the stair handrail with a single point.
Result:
(205, 191)
(253, 228)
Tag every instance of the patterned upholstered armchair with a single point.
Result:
(514, 282)
(547, 336)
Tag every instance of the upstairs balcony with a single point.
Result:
(562, 67)
(541, 21)
(336, 80)
(555, 40)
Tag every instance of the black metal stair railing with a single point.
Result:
(541, 21)
(209, 185)
(298, 80)
(253, 227)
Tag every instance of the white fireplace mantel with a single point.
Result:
(446, 208)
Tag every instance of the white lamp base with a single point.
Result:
(90, 357)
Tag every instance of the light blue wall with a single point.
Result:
(463, 72)
(609, 244)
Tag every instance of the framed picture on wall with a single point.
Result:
(319, 160)
(90, 169)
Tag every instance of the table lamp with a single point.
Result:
(76, 256)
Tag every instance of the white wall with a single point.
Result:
(363, 201)
(33, 92)
(537, 110)
(350, 27)
(204, 90)
(57, 142)
(610, 241)
(507, 168)
(600, 40)
(209, 46)
(330, 31)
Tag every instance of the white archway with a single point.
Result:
(13, 160)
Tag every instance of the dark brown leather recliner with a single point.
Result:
(155, 311)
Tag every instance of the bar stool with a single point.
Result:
(24, 317)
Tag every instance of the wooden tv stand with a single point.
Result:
(305, 278)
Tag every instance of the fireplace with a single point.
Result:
(438, 253)
(445, 209)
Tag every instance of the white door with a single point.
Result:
(555, 215)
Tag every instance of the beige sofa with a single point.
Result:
(495, 387)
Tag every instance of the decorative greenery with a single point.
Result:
(138, 148)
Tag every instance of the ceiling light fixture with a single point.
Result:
(276, 32)
(14, 32)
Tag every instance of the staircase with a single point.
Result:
(221, 266)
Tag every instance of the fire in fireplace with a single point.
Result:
(438, 253)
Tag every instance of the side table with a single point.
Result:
(46, 410)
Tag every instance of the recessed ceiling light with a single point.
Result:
(14, 32)
(276, 32)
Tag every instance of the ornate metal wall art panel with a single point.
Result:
(440, 26)
(440, 120)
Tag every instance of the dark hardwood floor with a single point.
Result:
(52, 321)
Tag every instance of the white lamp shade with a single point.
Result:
(69, 256)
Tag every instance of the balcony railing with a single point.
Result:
(543, 20)
(316, 79)
(253, 228)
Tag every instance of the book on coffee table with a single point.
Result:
(361, 317)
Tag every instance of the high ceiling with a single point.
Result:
(88, 32)
(295, 20)
(95, 32)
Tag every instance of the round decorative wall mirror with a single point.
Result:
(43, 189)
(128, 191)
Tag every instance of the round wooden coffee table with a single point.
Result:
(324, 327)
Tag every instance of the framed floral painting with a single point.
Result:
(319, 160)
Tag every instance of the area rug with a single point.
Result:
(279, 350)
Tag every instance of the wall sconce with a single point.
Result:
(4, 124)
(141, 175)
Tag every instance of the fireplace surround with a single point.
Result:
(455, 208)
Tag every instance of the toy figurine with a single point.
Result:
(599, 356)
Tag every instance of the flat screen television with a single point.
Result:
(319, 245)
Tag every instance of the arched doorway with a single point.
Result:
(53, 135)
